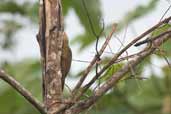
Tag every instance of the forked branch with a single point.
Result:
(111, 82)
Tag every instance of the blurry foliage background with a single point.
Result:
(131, 96)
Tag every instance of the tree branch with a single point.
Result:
(110, 83)
(24, 92)
(115, 58)
(75, 103)
(88, 69)
(51, 35)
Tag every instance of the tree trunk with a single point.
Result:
(50, 41)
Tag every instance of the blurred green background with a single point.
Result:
(131, 96)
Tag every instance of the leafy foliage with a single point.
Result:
(28, 74)
(93, 8)
(11, 26)
(9, 29)
(165, 46)
(110, 71)
(136, 100)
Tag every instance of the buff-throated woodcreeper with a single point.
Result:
(66, 59)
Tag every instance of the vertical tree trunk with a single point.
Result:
(50, 41)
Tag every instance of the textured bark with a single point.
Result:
(50, 41)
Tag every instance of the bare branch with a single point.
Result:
(78, 106)
(95, 59)
(24, 92)
(115, 58)
(82, 105)
(151, 39)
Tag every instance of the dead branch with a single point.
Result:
(115, 58)
(23, 91)
(110, 83)
(78, 106)
(88, 69)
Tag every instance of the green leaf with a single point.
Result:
(28, 73)
(160, 30)
(110, 71)
(84, 40)
(95, 14)
(66, 5)
(9, 29)
(32, 11)
(11, 7)
(165, 46)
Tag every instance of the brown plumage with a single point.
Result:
(65, 59)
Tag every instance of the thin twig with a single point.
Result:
(151, 39)
(117, 61)
(165, 12)
(24, 92)
(81, 61)
(90, 66)
(84, 104)
(167, 61)
(165, 58)
(111, 82)
(97, 35)
(75, 90)
(83, 90)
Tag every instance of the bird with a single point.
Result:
(66, 59)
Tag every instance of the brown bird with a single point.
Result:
(66, 59)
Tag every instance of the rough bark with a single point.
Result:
(50, 41)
